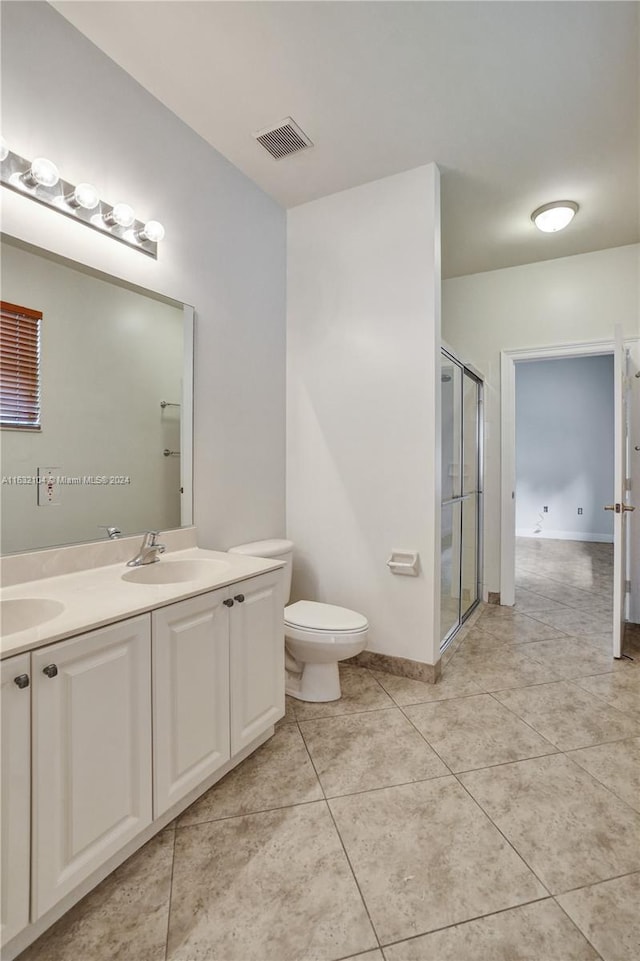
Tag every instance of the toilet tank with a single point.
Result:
(279, 548)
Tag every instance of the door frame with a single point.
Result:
(508, 360)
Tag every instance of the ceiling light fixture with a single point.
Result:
(554, 216)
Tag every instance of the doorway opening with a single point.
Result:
(595, 559)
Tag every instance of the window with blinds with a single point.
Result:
(20, 367)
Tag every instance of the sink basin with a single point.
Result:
(175, 572)
(20, 613)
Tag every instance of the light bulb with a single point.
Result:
(42, 172)
(84, 195)
(554, 216)
(4, 150)
(122, 215)
(152, 230)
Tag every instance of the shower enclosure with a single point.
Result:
(460, 546)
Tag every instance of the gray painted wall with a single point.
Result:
(224, 252)
(564, 447)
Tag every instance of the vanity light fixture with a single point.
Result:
(554, 216)
(85, 196)
(39, 180)
(152, 230)
(122, 215)
(41, 173)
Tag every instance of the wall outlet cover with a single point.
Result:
(48, 487)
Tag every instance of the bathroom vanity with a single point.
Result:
(126, 693)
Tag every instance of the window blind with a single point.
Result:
(20, 367)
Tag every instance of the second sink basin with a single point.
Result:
(175, 572)
(20, 613)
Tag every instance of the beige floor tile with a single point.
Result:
(517, 629)
(404, 690)
(473, 732)
(274, 886)
(359, 752)
(425, 856)
(360, 692)
(616, 765)
(501, 668)
(125, 917)
(575, 657)
(608, 914)
(481, 640)
(566, 826)
(568, 716)
(527, 601)
(289, 713)
(277, 774)
(533, 932)
(621, 690)
(575, 623)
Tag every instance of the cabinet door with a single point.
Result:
(190, 695)
(91, 753)
(16, 794)
(257, 657)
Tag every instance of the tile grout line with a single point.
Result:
(342, 844)
(577, 927)
(503, 835)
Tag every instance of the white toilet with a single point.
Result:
(317, 636)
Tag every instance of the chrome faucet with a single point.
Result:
(149, 551)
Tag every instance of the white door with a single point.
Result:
(91, 753)
(16, 794)
(190, 695)
(256, 656)
(621, 507)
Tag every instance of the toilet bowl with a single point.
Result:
(317, 636)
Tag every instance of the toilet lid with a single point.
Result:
(312, 616)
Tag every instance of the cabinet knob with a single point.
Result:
(22, 680)
(50, 670)
(228, 602)
(239, 598)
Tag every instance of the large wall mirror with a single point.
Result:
(112, 447)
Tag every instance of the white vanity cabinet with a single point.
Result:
(256, 657)
(91, 754)
(218, 681)
(16, 793)
(190, 695)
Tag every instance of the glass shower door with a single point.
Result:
(461, 400)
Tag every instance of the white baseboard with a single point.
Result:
(566, 535)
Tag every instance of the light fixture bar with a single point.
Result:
(66, 198)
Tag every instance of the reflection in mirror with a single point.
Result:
(112, 369)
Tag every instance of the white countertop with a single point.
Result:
(99, 596)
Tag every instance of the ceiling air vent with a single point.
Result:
(283, 139)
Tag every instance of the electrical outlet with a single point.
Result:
(546, 510)
(48, 487)
(580, 511)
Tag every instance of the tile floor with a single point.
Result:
(491, 817)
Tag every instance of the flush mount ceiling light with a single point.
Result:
(555, 216)
(39, 180)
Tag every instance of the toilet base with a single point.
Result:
(317, 682)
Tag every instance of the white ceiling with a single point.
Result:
(519, 103)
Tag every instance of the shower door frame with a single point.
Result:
(476, 376)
